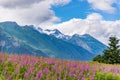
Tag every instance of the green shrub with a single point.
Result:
(106, 76)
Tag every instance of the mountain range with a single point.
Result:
(47, 43)
(86, 41)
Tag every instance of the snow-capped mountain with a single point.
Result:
(47, 43)
(85, 41)
(27, 40)
(39, 29)
(55, 33)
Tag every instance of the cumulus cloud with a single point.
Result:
(104, 5)
(30, 11)
(17, 3)
(94, 25)
(27, 3)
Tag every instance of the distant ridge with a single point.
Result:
(85, 41)
(29, 40)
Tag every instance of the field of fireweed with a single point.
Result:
(24, 67)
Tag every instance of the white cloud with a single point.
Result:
(17, 3)
(29, 11)
(27, 3)
(60, 2)
(93, 25)
(104, 5)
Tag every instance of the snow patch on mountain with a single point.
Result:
(55, 33)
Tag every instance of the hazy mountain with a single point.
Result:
(28, 40)
(85, 41)
(89, 43)
(9, 43)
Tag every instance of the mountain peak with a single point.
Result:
(88, 42)
(52, 32)
(39, 29)
(83, 36)
(87, 35)
(9, 23)
(77, 35)
(56, 33)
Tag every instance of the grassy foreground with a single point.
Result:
(24, 67)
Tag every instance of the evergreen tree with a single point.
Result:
(112, 53)
(98, 58)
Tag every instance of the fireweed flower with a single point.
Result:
(70, 74)
(40, 73)
(74, 65)
(46, 70)
(30, 70)
(54, 67)
(16, 70)
(9, 78)
(81, 73)
(36, 78)
(92, 78)
(51, 69)
(26, 75)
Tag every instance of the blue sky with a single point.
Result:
(57, 10)
(80, 9)
(75, 9)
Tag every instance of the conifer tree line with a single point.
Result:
(111, 54)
